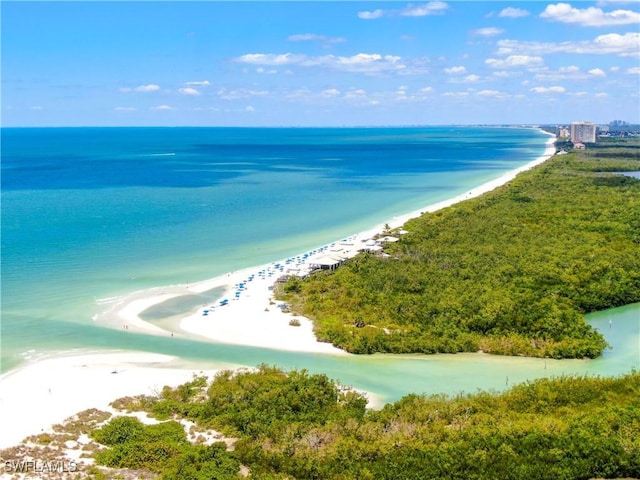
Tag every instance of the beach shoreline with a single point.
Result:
(72, 381)
(38, 395)
(247, 314)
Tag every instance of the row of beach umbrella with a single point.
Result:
(270, 271)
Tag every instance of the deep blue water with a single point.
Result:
(91, 213)
(101, 158)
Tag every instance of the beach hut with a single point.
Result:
(370, 248)
(328, 262)
(389, 239)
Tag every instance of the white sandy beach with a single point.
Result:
(37, 395)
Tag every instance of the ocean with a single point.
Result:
(93, 214)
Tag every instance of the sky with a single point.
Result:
(324, 63)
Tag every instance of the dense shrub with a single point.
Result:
(568, 427)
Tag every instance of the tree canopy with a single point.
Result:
(299, 426)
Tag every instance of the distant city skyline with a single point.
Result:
(329, 63)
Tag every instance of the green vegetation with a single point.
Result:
(300, 426)
(162, 448)
(512, 272)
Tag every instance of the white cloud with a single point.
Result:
(249, 108)
(564, 73)
(511, 12)
(330, 92)
(271, 71)
(303, 37)
(604, 3)
(602, 95)
(354, 96)
(615, 69)
(589, 17)
(430, 8)
(271, 59)
(455, 94)
(471, 78)
(357, 96)
(359, 59)
(312, 37)
(203, 83)
(626, 45)
(189, 91)
(515, 61)
(368, 63)
(555, 89)
(487, 32)
(147, 88)
(597, 72)
(365, 15)
(634, 70)
(297, 94)
(491, 93)
(362, 62)
(142, 88)
(241, 93)
(455, 70)
(568, 73)
(361, 97)
(162, 107)
(125, 109)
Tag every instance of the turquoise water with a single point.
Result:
(95, 213)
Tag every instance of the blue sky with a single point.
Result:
(319, 63)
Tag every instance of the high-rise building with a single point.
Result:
(583, 132)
